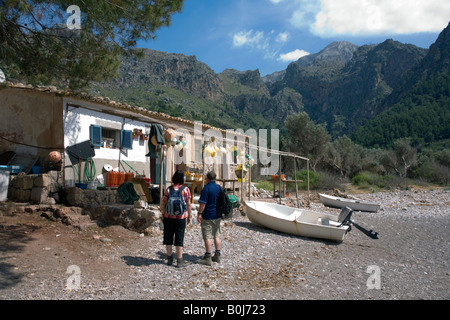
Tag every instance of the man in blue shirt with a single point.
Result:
(210, 219)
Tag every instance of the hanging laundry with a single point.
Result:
(156, 138)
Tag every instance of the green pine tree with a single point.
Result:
(72, 43)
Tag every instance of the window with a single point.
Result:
(96, 135)
(111, 138)
(127, 139)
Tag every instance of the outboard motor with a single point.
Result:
(345, 219)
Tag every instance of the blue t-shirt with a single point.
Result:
(209, 196)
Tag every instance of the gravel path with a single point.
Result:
(411, 258)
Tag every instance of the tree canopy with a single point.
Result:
(306, 138)
(72, 43)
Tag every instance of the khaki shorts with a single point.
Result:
(211, 228)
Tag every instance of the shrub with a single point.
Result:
(317, 181)
(264, 184)
(314, 178)
(367, 179)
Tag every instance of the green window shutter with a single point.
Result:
(96, 135)
(127, 139)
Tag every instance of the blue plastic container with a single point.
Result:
(81, 185)
(36, 170)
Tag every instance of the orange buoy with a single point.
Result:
(54, 157)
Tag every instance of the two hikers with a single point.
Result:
(178, 214)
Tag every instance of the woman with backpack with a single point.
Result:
(176, 211)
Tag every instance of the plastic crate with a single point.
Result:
(12, 169)
(234, 201)
(127, 193)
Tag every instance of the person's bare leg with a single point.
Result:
(218, 247)
(217, 244)
(179, 251)
(208, 245)
(207, 258)
(169, 255)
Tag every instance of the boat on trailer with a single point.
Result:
(355, 204)
(300, 222)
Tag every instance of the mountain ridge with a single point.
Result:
(337, 52)
(342, 86)
(420, 107)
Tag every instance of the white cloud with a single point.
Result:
(283, 37)
(249, 38)
(304, 14)
(293, 55)
(267, 43)
(382, 16)
(275, 1)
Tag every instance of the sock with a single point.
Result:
(218, 252)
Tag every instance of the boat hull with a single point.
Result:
(357, 205)
(300, 222)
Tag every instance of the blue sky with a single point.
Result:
(269, 34)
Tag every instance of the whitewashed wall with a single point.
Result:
(77, 121)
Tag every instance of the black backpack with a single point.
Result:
(224, 208)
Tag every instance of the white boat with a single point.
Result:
(355, 204)
(301, 222)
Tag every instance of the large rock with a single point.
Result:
(137, 219)
(73, 216)
(108, 214)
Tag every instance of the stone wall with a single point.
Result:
(35, 188)
(106, 206)
(76, 197)
(43, 191)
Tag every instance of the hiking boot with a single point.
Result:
(206, 260)
(216, 257)
(180, 263)
(169, 261)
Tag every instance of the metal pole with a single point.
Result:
(242, 181)
(249, 180)
(161, 177)
(279, 181)
(296, 185)
(307, 166)
(203, 163)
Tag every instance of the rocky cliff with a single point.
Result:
(419, 104)
(160, 69)
(341, 86)
(353, 89)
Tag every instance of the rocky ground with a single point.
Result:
(43, 259)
